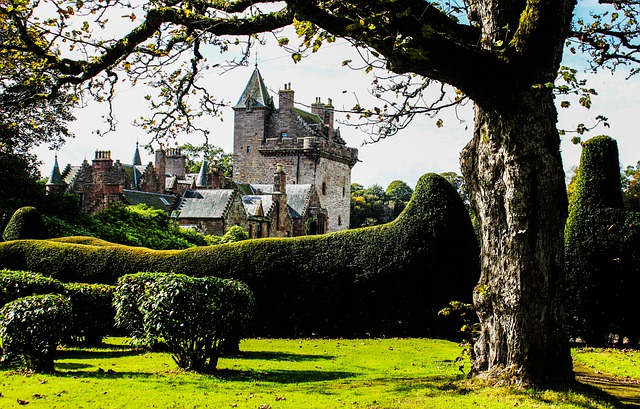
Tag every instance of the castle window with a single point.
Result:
(248, 149)
(283, 134)
(339, 221)
(343, 191)
(324, 188)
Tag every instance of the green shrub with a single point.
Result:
(390, 279)
(194, 316)
(26, 223)
(31, 329)
(93, 312)
(18, 284)
(601, 251)
(234, 234)
(129, 296)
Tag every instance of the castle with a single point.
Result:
(290, 167)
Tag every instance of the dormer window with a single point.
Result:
(283, 134)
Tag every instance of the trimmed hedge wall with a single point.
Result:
(602, 251)
(384, 280)
(93, 311)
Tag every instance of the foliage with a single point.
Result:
(31, 329)
(372, 206)
(234, 234)
(26, 223)
(130, 225)
(93, 312)
(194, 316)
(429, 257)
(18, 183)
(311, 226)
(631, 187)
(602, 256)
(18, 284)
(214, 155)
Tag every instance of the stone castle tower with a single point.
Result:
(306, 144)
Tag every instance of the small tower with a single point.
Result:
(55, 184)
(251, 114)
(201, 182)
(136, 157)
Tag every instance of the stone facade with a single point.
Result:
(312, 177)
(307, 145)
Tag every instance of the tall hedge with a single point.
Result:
(602, 243)
(384, 280)
(26, 223)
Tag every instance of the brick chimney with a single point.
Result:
(285, 104)
(279, 180)
(102, 161)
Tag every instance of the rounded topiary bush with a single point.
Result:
(26, 223)
(194, 316)
(31, 329)
(18, 284)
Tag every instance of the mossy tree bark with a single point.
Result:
(514, 172)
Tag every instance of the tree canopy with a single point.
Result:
(503, 55)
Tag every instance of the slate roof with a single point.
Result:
(256, 92)
(55, 178)
(258, 205)
(154, 200)
(205, 203)
(298, 197)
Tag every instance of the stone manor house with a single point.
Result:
(290, 166)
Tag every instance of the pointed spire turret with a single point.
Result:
(55, 182)
(255, 94)
(136, 157)
(202, 176)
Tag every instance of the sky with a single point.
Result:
(420, 148)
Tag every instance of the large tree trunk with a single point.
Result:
(514, 172)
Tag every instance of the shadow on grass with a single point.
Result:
(275, 376)
(281, 375)
(97, 353)
(279, 356)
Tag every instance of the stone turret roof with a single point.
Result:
(137, 161)
(201, 181)
(55, 179)
(255, 92)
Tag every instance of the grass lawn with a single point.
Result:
(385, 373)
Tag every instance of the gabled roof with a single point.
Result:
(205, 203)
(255, 92)
(154, 200)
(298, 197)
(258, 205)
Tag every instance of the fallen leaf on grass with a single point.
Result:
(22, 402)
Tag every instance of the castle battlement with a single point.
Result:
(309, 146)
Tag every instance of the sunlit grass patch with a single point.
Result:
(275, 373)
